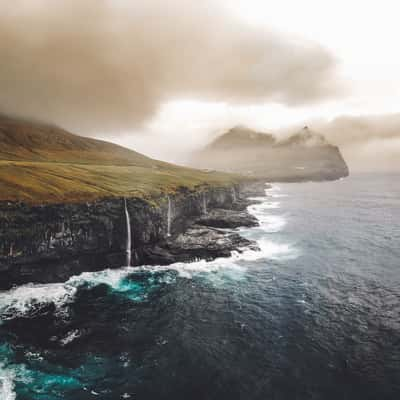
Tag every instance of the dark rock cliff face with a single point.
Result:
(52, 242)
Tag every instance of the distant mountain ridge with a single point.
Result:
(305, 155)
(243, 136)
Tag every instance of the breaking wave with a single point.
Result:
(7, 377)
(28, 299)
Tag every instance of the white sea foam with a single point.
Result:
(110, 277)
(270, 223)
(270, 205)
(233, 265)
(275, 192)
(278, 195)
(24, 300)
(258, 198)
(70, 337)
(33, 356)
(191, 269)
(21, 300)
(265, 205)
(7, 377)
(275, 251)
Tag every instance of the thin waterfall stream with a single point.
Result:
(204, 203)
(128, 235)
(169, 217)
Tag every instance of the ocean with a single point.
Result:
(314, 315)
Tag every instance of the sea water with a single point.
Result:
(314, 315)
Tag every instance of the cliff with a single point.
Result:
(303, 156)
(62, 206)
(49, 243)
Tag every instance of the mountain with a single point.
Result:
(305, 155)
(33, 141)
(41, 163)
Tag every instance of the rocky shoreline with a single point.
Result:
(50, 243)
(208, 237)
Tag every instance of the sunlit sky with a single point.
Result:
(166, 77)
(362, 37)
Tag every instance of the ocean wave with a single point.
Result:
(36, 383)
(28, 299)
(25, 299)
(234, 264)
(7, 377)
(195, 268)
(110, 277)
(277, 251)
(270, 223)
(266, 205)
(258, 198)
(275, 192)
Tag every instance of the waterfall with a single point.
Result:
(11, 252)
(128, 236)
(204, 203)
(169, 217)
(233, 194)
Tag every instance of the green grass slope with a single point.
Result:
(45, 164)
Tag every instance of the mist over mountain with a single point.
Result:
(369, 142)
(305, 155)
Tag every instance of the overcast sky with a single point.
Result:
(166, 76)
(362, 39)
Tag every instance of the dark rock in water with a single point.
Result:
(221, 218)
(254, 189)
(199, 242)
(242, 204)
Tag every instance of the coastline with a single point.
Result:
(51, 243)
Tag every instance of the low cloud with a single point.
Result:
(369, 143)
(107, 65)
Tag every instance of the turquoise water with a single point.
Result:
(314, 314)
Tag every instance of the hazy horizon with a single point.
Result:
(165, 79)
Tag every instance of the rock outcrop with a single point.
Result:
(198, 242)
(49, 243)
(222, 218)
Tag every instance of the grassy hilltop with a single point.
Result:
(45, 164)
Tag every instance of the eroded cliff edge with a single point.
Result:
(51, 242)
